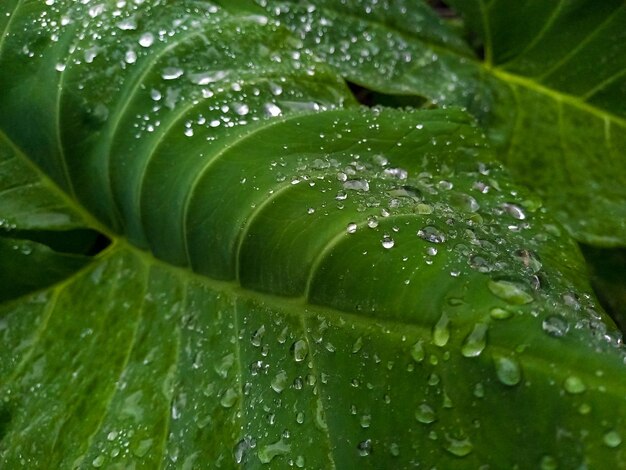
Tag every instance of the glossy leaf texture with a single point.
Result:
(550, 90)
(293, 280)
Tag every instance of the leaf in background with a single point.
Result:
(550, 92)
(292, 279)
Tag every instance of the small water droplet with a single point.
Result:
(272, 110)
(171, 73)
(514, 211)
(365, 421)
(425, 414)
(574, 385)
(394, 449)
(242, 448)
(431, 234)
(279, 382)
(612, 439)
(300, 350)
(387, 242)
(358, 344)
(512, 292)
(458, 447)
(417, 351)
(146, 40)
(555, 325)
(98, 461)
(365, 448)
(508, 370)
(351, 228)
(257, 336)
(357, 185)
(229, 398)
(268, 452)
(548, 463)
(441, 331)
(475, 342)
(498, 313)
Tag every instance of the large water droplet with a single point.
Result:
(458, 447)
(357, 185)
(514, 211)
(229, 398)
(146, 40)
(300, 350)
(268, 452)
(279, 382)
(512, 292)
(351, 228)
(387, 242)
(431, 234)
(425, 414)
(508, 370)
(417, 351)
(475, 342)
(172, 73)
(612, 439)
(555, 325)
(365, 448)
(242, 448)
(441, 331)
(574, 385)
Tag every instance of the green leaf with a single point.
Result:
(292, 280)
(550, 91)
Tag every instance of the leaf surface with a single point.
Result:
(291, 280)
(550, 90)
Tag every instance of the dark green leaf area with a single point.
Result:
(293, 280)
(549, 92)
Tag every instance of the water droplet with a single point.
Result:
(555, 325)
(365, 448)
(242, 448)
(98, 461)
(358, 344)
(475, 342)
(172, 73)
(146, 40)
(529, 259)
(257, 336)
(548, 463)
(500, 313)
(351, 228)
(387, 242)
(272, 110)
(464, 202)
(479, 390)
(514, 211)
(508, 370)
(431, 234)
(279, 382)
(112, 435)
(574, 385)
(612, 439)
(584, 409)
(60, 67)
(458, 447)
(417, 352)
(357, 185)
(425, 414)
(229, 398)
(268, 452)
(300, 350)
(372, 222)
(441, 331)
(394, 449)
(513, 292)
(365, 421)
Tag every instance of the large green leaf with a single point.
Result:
(550, 91)
(292, 280)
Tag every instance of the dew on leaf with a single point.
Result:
(574, 385)
(387, 242)
(612, 439)
(498, 313)
(268, 452)
(351, 228)
(365, 447)
(458, 447)
(417, 351)
(508, 370)
(475, 342)
(279, 382)
(146, 39)
(555, 325)
(300, 350)
(441, 331)
(425, 414)
(431, 234)
(512, 292)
